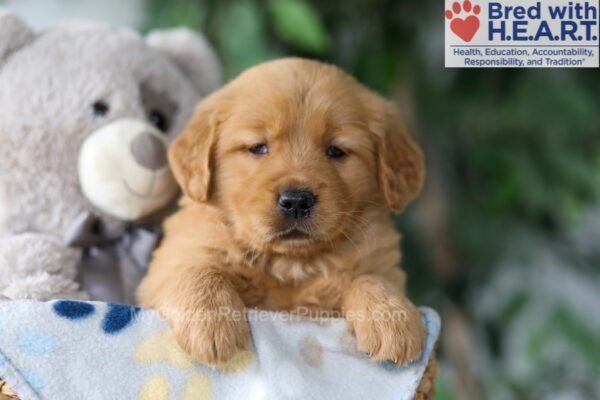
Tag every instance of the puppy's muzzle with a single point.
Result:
(296, 204)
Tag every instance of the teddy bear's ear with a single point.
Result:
(13, 34)
(192, 53)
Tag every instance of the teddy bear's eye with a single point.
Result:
(159, 120)
(101, 109)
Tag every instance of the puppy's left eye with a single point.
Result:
(335, 152)
(259, 149)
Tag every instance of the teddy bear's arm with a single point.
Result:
(39, 267)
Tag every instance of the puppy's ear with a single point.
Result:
(400, 163)
(191, 153)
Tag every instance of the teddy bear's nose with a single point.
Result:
(149, 151)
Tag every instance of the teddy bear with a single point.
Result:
(86, 113)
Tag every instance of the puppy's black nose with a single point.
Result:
(296, 203)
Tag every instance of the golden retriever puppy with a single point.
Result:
(289, 174)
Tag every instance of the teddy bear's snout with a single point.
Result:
(149, 151)
(123, 169)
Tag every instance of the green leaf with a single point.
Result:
(242, 37)
(187, 13)
(515, 306)
(299, 24)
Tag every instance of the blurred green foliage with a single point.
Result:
(297, 23)
(516, 153)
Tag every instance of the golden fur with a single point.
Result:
(224, 249)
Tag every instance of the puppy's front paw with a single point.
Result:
(390, 331)
(213, 336)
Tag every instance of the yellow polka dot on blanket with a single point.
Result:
(239, 362)
(155, 388)
(162, 347)
(198, 387)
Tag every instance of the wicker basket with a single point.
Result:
(6, 392)
(425, 391)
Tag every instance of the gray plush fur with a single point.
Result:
(48, 84)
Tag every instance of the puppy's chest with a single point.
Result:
(290, 285)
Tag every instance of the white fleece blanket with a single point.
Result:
(74, 350)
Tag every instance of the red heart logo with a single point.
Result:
(465, 28)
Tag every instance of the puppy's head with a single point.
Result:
(295, 152)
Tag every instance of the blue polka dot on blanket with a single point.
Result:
(34, 379)
(72, 309)
(36, 343)
(118, 317)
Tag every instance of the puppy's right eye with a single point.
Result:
(259, 149)
(335, 152)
